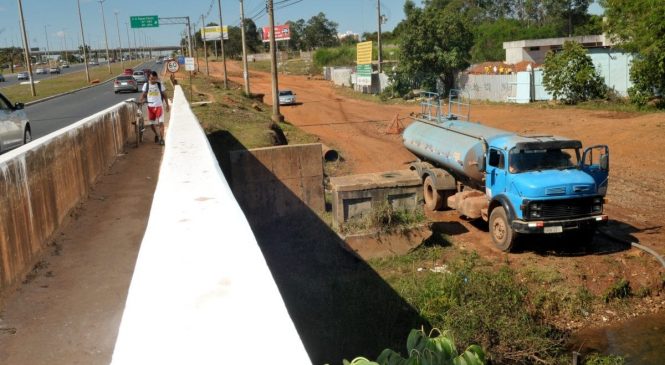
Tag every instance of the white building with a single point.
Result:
(535, 50)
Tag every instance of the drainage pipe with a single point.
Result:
(329, 154)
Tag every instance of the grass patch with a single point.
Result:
(234, 121)
(477, 303)
(620, 290)
(598, 359)
(294, 66)
(384, 218)
(61, 83)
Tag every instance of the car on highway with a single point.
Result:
(23, 76)
(147, 72)
(14, 125)
(64, 65)
(41, 71)
(93, 63)
(128, 71)
(286, 97)
(125, 83)
(54, 70)
(2, 78)
(140, 77)
(159, 61)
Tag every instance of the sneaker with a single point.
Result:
(156, 139)
(161, 142)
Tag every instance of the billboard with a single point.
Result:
(212, 33)
(282, 33)
(364, 53)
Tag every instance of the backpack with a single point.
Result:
(159, 87)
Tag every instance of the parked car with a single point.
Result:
(54, 70)
(41, 71)
(125, 83)
(2, 78)
(286, 97)
(23, 76)
(140, 77)
(128, 71)
(14, 125)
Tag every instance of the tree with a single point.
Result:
(320, 32)
(637, 26)
(434, 44)
(570, 75)
(297, 30)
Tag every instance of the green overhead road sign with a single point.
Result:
(145, 21)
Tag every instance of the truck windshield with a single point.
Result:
(536, 160)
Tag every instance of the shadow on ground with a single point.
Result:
(340, 306)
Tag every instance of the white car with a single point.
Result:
(41, 71)
(286, 97)
(14, 125)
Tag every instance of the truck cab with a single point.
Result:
(544, 184)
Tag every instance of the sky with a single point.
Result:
(58, 19)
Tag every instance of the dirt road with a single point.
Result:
(636, 193)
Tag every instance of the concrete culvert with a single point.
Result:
(329, 154)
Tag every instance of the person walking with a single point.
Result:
(155, 93)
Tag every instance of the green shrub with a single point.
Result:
(338, 56)
(597, 359)
(424, 349)
(619, 290)
(570, 75)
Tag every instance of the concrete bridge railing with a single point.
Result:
(201, 292)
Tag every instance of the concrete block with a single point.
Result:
(356, 195)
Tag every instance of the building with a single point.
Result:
(535, 50)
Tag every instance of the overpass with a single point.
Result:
(111, 50)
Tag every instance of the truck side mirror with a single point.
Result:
(19, 106)
(605, 162)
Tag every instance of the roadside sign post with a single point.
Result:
(364, 64)
(190, 66)
(172, 66)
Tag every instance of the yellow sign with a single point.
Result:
(364, 53)
(212, 33)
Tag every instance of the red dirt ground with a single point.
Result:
(635, 198)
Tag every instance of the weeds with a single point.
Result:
(477, 304)
(384, 218)
(598, 359)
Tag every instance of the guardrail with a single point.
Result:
(201, 292)
(41, 182)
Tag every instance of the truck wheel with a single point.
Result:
(433, 200)
(502, 233)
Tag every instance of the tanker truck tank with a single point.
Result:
(457, 146)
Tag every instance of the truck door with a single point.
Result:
(496, 172)
(596, 162)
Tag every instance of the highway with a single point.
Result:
(11, 78)
(51, 115)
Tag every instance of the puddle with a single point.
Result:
(640, 340)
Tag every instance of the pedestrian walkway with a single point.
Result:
(69, 309)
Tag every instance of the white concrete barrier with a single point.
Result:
(201, 292)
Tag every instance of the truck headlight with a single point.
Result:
(535, 210)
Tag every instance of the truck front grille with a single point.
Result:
(562, 209)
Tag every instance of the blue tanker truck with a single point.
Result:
(519, 184)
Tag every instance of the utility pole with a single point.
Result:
(245, 70)
(85, 53)
(378, 35)
(276, 117)
(117, 27)
(205, 43)
(106, 39)
(221, 44)
(26, 49)
(189, 35)
(136, 47)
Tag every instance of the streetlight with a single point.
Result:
(26, 48)
(85, 54)
(48, 50)
(106, 39)
(117, 27)
(129, 42)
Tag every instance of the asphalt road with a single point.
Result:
(10, 79)
(51, 115)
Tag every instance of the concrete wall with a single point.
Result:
(501, 88)
(341, 76)
(42, 181)
(614, 67)
(201, 292)
(266, 56)
(258, 175)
